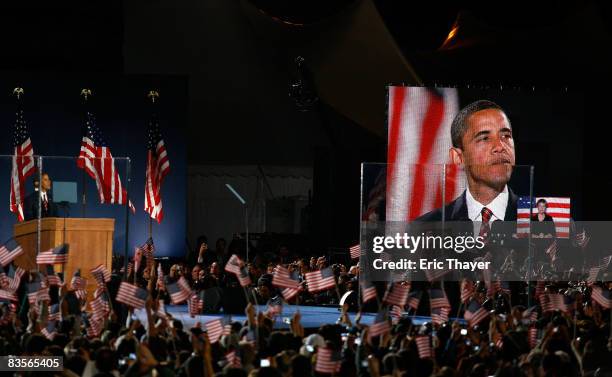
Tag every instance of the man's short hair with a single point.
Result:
(459, 125)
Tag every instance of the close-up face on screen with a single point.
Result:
(263, 188)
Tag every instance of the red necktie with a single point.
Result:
(45, 203)
(485, 227)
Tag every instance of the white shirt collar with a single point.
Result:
(497, 206)
(44, 195)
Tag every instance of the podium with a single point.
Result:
(90, 241)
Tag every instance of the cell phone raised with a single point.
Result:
(263, 363)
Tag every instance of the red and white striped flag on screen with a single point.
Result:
(414, 299)
(557, 208)
(475, 313)
(423, 343)
(551, 251)
(285, 279)
(368, 292)
(397, 294)
(56, 255)
(49, 331)
(99, 307)
(160, 277)
(158, 166)
(23, 163)
(582, 239)
(101, 274)
(52, 278)
(7, 295)
(146, 250)
(234, 264)
(328, 361)
(289, 293)
(355, 251)
(98, 162)
(320, 280)
(395, 313)
(539, 289)
(531, 314)
(243, 277)
(10, 251)
(161, 310)
(132, 295)
(214, 329)
(37, 292)
(4, 280)
(593, 274)
(602, 297)
(419, 124)
(380, 326)
(55, 314)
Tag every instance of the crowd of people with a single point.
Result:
(510, 339)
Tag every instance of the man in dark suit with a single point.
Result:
(483, 146)
(43, 190)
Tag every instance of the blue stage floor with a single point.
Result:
(312, 316)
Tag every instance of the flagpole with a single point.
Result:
(153, 95)
(85, 93)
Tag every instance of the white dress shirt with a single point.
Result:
(497, 206)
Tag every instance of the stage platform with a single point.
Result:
(312, 316)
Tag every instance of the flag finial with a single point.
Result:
(153, 95)
(18, 91)
(85, 93)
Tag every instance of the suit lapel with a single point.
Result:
(459, 210)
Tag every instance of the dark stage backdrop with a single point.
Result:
(54, 114)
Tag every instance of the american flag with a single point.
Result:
(533, 337)
(435, 274)
(285, 279)
(98, 162)
(177, 293)
(419, 133)
(437, 299)
(552, 302)
(101, 274)
(328, 361)
(146, 249)
(557, 208)
(397, 294)
(320, 280)
(131, 295)
(99, 307)
(502, 286)
(551, 251)
(4, 280)
(7, 295)
(234, 264)
(582, 239)
(214, 329)
(55, 314)
(23, 163)
(37, 292)
(275, 306)
(14, 276)
(243, 277)
(289, 293)
(52, 278)
(539, 289)
(396, 313)
(498, 340)
(158, 166)
(423, 343)
(368, 292)
(414, 299)
(160, 277)
(10, 251)
(602, 297)
(195, 305)
(50, 330)
(79, 285)
(93, 327)
(467, 290)
(355, 251)
(58, 254)
(593, 273)
(475, 313)
(439, 316)
(380, 326)
(233, 359)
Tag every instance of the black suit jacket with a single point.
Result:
(457, 210)
(30, 206)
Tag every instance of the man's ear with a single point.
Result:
(456, 156)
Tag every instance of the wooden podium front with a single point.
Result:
(90, 241)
